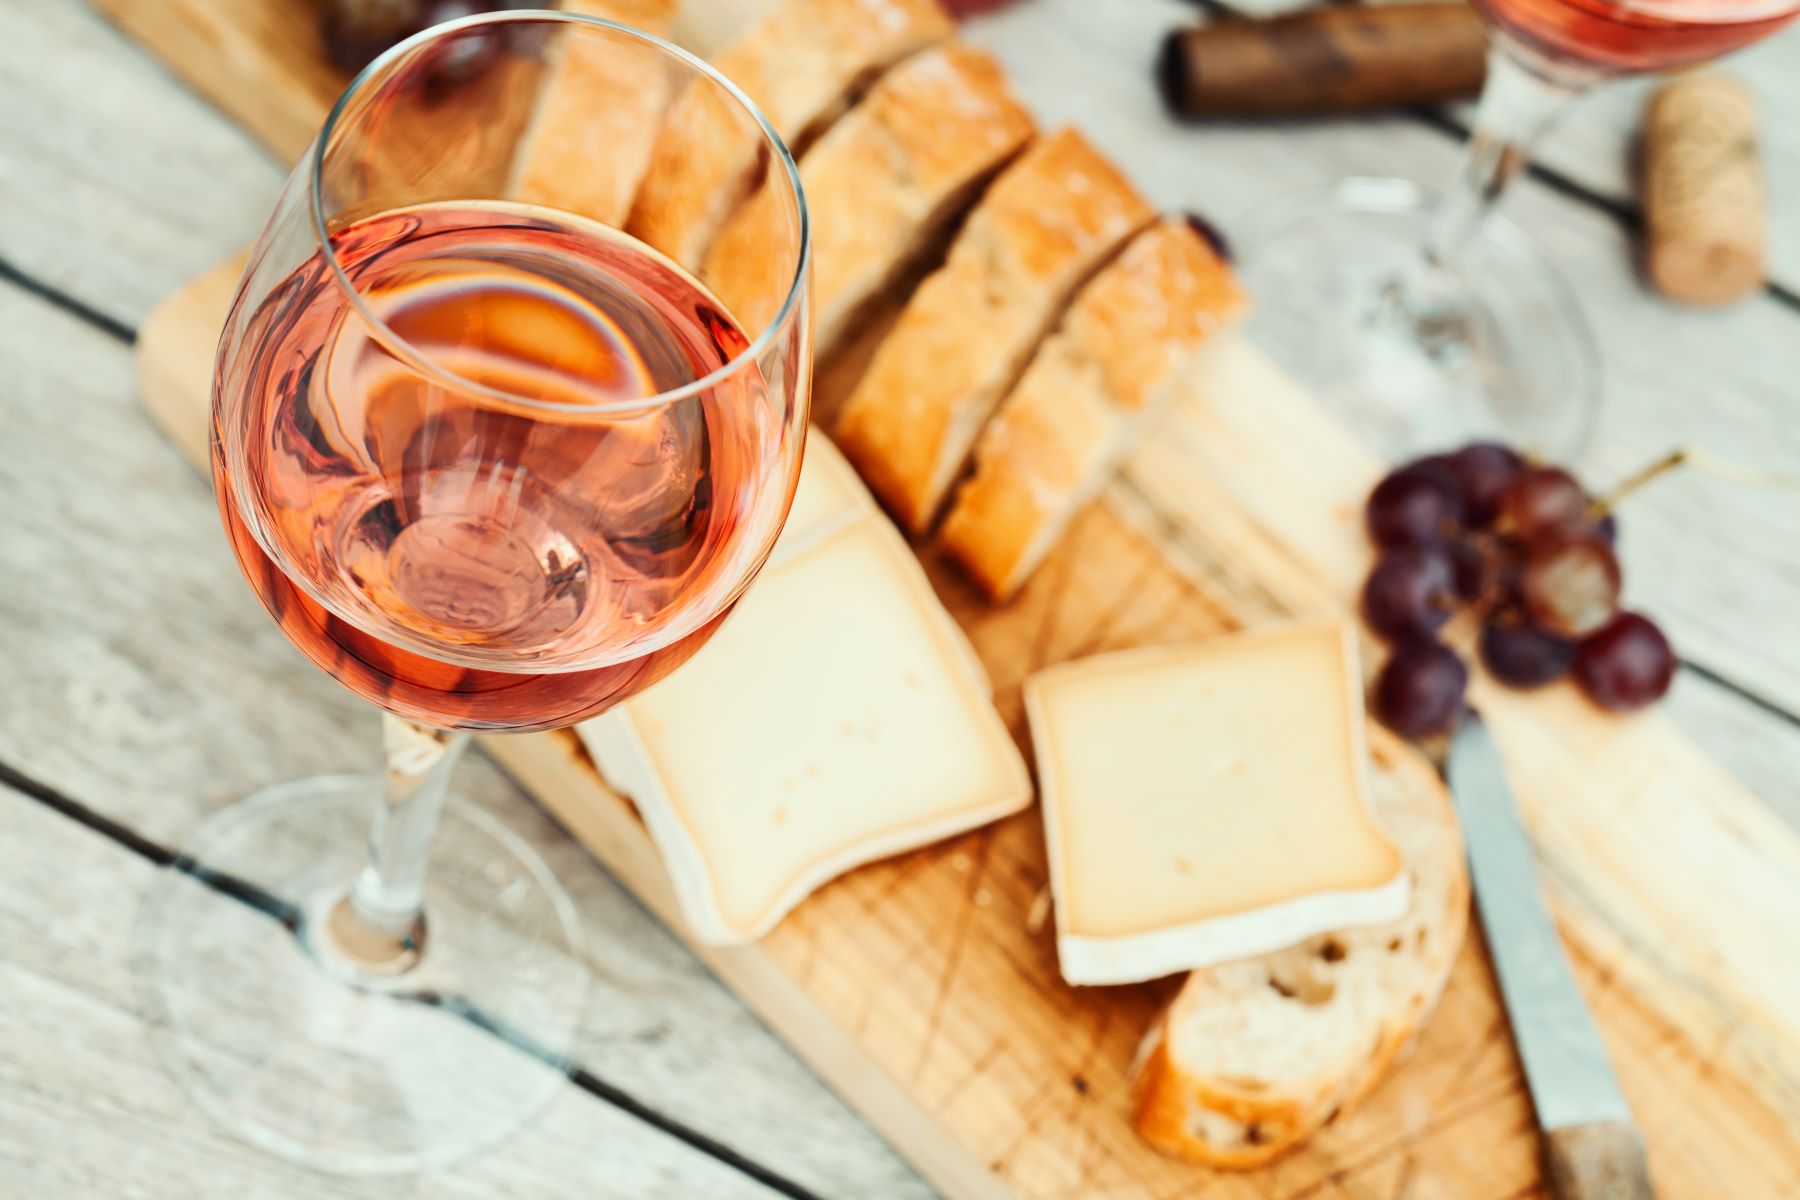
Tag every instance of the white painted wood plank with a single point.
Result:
(1713, 560)
(116, 182)
(1759, 747)
(86, 1109)
(145, 680)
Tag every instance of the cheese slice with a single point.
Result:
(828, 497)
(838, 717)
(1208, 802)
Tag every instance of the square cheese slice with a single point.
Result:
(1208, 802)
(838, 717)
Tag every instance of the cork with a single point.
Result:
(1704, 207)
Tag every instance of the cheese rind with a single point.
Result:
(1208, 802)
(838, 717)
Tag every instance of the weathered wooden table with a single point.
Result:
(143, 686)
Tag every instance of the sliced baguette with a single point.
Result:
(597, 114)
(1083, 398)
(1255, 1056)
(882, 184)
(1041, 229)
(801, 64)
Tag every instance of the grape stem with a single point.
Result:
(1700, 460)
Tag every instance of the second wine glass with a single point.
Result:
(1422, 321)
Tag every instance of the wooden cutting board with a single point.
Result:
(924, 992)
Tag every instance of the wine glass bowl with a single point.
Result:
(1523, 371)
(493, 463)
(1604, 37)
(412, 418)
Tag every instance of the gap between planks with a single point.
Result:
(128, 839)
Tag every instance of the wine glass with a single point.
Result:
(493, 464)
(1422, 321)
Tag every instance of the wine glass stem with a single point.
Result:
(1425, 302)
(1517, 105)
(389, 893)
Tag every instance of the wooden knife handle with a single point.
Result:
(1602, 1161)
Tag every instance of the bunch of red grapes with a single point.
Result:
(1531, 553)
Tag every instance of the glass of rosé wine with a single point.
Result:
(1421, 320)
(494, 464)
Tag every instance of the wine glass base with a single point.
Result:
(301, 1050)
(1507, 355)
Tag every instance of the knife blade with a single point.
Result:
(1592, 1147)
(1566, 1068)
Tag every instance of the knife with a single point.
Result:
(1592, 1147)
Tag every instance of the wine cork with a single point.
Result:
(1340, 59)
(1704, 208)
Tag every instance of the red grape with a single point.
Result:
(355, 31)
(1484, 470)
(1411, 591)
(1414, 506)
(1572, 589)
(1522, 655)
(1626, 665)
(1440, 468)
(1544, 505)
(1420, 690)
(1487, 567)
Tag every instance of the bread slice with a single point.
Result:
(597, 114)
(802, 63)
(882, 184)
(1083, 398)
(1041, 229)
(1255, 1056)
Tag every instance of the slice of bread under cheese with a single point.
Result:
(839, 716)
(1083, 399)
(1208, 802)
(801, 63)
(1043, 227)
(882, 184)
(1255, 1056)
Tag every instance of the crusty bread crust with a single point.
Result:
(1239, 1122)
(801, 64)
(882, 183)
(597, 115)
(1083, 398)
(1038, 232)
